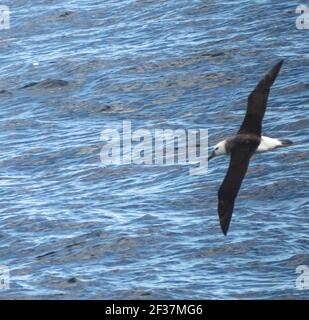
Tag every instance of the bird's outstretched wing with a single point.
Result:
(257, 102)
(230, 186)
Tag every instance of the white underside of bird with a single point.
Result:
(268, 143)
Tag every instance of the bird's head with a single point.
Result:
(218, 150)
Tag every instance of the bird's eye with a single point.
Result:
(217, 148)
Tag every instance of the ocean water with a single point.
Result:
(74, 228)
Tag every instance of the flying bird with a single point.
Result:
(243, 145)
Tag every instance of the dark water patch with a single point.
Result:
(65, 14)
(47, 84)
(176, 63)
(296, 260)
(46, 255)
(72, 280)
(5, 92)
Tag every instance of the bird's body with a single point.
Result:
(265, 144)
(243, 145)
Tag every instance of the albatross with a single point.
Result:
(243, 145)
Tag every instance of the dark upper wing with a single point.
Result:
(230, 186)
(257, 102)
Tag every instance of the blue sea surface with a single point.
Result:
(74, 228)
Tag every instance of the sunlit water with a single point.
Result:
(71, 227)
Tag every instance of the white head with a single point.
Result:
(219, 150)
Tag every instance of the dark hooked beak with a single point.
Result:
(212, 155)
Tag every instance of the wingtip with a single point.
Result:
(277, 67)
(224, 229)
(280, 63)
(270, 78)
(224, 223)
(225, 210)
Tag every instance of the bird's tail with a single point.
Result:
(286, 143)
